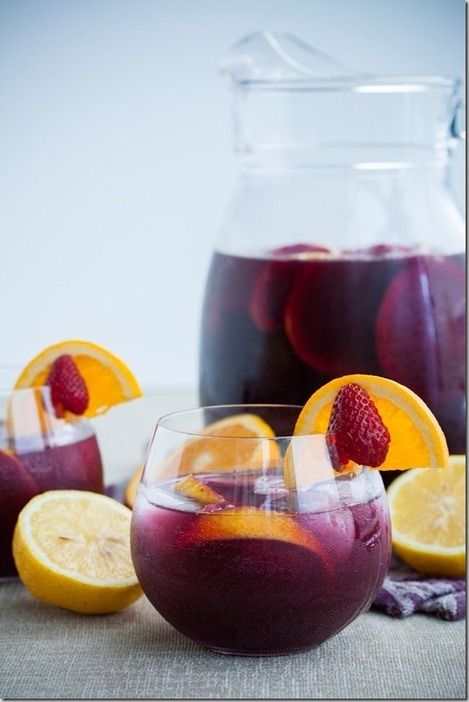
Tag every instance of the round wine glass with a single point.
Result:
(246, 539)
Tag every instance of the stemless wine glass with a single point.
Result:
(246, 540)
(40, 451)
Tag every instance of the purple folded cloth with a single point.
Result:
(405, 592)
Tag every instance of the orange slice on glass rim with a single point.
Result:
(417, 440)
(108, 379)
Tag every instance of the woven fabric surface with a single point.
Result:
(405, 592)
(50, 653)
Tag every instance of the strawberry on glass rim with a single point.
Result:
(357, 432)
(376, 422)
(85, 378)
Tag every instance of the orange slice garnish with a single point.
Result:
(417, 439)
(107, 377)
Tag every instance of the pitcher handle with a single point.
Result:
(458, 123)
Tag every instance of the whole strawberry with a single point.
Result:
(356, 428)
(68, 389)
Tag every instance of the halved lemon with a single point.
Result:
(72, 550)
(417, 439)
(107, 377)
(428, 518)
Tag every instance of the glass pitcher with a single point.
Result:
(342, 250)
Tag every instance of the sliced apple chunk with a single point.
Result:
(192, 487)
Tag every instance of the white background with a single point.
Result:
(116, 155)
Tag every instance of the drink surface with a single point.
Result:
(268, 571)
(275, 328)
(70, 460)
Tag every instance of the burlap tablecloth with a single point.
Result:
(50, 653)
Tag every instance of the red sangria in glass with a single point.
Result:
(40, 451)
(237, 559)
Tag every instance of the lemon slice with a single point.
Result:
(72, 550)
(417, 439)
(107, 377)
(428, 518)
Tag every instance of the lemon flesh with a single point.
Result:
(428, 518)
(72, 550)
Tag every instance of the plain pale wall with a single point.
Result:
(116, 155)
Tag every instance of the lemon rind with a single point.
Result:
(401, 540)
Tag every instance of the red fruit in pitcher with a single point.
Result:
(327, 328)
(68, 389)
(358, 431)
(420, 329)
(270, 295)
(273, 285)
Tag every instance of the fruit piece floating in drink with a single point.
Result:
(46, 440)
(255, 542)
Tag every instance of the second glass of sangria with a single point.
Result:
(40, 451)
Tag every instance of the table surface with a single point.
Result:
(51, 653)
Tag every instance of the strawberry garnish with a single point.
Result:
(68, 389)
(357, 432)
